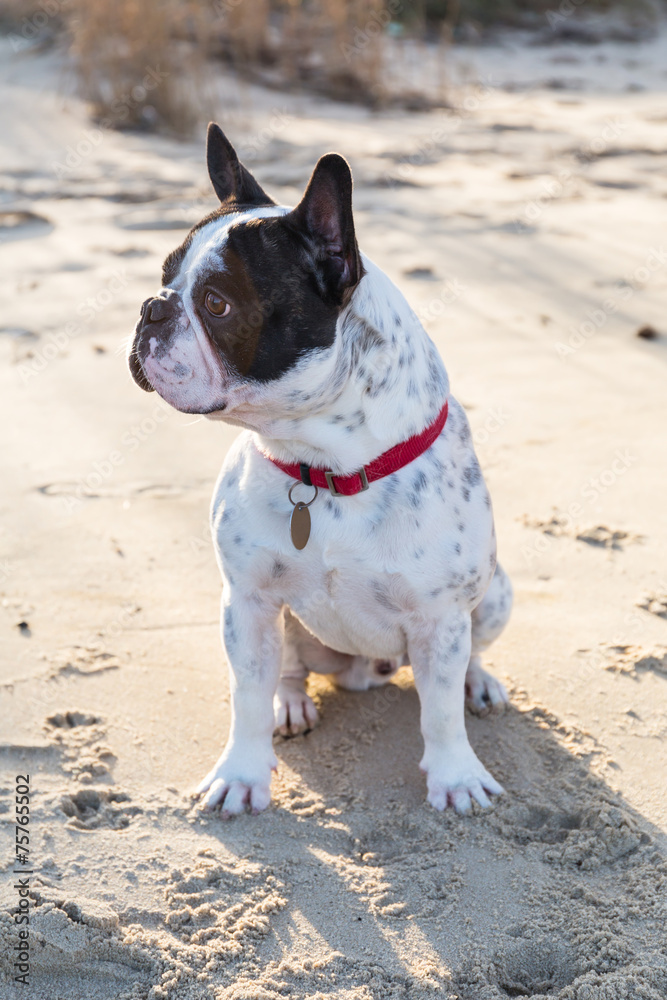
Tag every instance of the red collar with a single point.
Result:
(390, 461)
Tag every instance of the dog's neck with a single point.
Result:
(384, 383)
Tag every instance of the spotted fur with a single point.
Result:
(334, 369)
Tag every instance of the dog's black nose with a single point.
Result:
(160, 307)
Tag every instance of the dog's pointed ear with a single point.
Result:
(230, 179)
(324, 214)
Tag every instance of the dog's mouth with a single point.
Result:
(137, 369)
(218, 414)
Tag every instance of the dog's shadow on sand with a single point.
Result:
(517, 900)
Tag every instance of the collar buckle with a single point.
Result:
(334, 492)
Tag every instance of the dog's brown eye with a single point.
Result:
(215, 305)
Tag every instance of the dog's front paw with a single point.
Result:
(294, 710)
(241, 779)
(454, 777)
(484, 693)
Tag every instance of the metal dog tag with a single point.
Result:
(300, 525)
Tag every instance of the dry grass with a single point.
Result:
(143, 63)
(525, 13)
(334, 47)
(138, 60)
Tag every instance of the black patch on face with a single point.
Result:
(286, 278)
(277, 312)
(235, 186)
(172, 262)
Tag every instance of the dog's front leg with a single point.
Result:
(252, 630)
(439, 654)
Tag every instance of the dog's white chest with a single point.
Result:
(374, 564)
(351, 607)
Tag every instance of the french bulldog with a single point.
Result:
(351, 521)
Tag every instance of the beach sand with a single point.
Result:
(528, 231)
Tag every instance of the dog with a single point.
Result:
(351, 521)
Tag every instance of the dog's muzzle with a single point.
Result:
(155, 311)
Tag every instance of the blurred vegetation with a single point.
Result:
(144, 63)
(525, 13)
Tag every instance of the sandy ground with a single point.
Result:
(528, 231)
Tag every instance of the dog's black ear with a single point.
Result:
(230, 179)
(325, 215)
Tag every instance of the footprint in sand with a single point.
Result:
(78, 735)
(656, 604)
(21, 225)
(93, 808)
(560, 525)
(634, 661)
(605, 537)
(70, 720)
(80, 661)
(77, 943)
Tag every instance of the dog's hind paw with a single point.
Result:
(294, 710)
(456, 779)
(364, 673)
(484, 694)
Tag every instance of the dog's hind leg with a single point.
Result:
(363, 673)
(295, 710)
(483, 692)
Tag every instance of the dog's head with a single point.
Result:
(253, 291)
